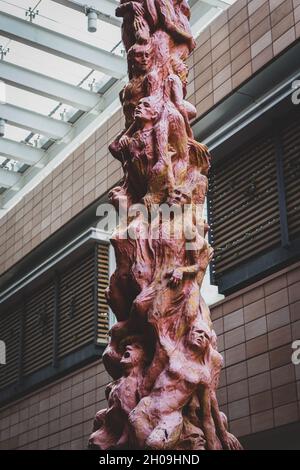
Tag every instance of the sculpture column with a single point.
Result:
(162, 352)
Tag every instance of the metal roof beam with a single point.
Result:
(218, 3)
(62, 46)
(20, 152)
(105, 8)
(34, 122)
(47, 86)
(8, 178)
(83, 128)
(200, 22)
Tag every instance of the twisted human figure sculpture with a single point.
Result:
(145, 79)
(146, 153)
(144, 16)
(158, 418)
(139, 17)
(113, 353)
(172, 298)
(111, 428)
(162, 351)
(134, 265)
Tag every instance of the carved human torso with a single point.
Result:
(195, 373)
(121, 399)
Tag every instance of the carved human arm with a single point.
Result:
(166, 12)
(117, 150)
(228, 441)
(125, 138)
(152, 11)
(207, 419)
(199, 261)
(185, 8)
(219, 424)
(153, 371)
(152, 83)
(177, 274)
(127, 7)
(177, 98)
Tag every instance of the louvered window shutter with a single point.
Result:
(243, 205)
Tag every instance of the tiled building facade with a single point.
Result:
(260, 387)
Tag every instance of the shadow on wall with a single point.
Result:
(282, 438)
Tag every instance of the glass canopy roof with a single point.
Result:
(23, 59)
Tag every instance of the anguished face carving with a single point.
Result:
(199, 337)
(141, 57)
(146, 110)
(133, 356)
(179, 196)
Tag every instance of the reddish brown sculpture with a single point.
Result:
(162, 352)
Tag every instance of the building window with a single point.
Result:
(254, 207)
(56, 325)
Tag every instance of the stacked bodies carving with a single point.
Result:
(162, 352)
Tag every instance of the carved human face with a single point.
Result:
(198, 338)
(192, 439)
(179, 197)
(133, 356)
(145, 111)
(118, 197)
(142, 59)
(184, 6)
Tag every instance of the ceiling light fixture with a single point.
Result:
(2, 127)
(3, 52)
(92, 17)
(2, 92)
(32, 13)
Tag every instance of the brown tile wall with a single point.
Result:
(59, 416)
(237, 44)
(259, 386)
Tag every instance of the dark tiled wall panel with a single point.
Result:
(59, 416)
(260, 386)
